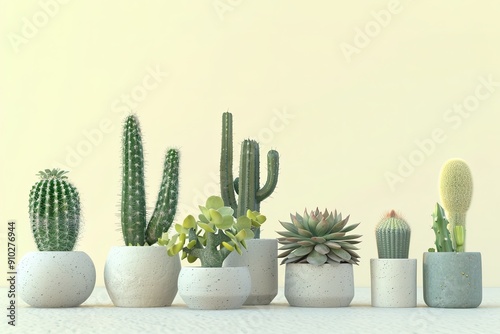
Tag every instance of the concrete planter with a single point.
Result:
(56, 279)
(144, 276)
(452, 280)
(393, 282)
(328, 285)
(261, 258)
(214, 288)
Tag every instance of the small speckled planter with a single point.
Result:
(214, 288)
(328, 285)
(55, 279)
(261, 258)
(393, 282)
(141, 276)
(452, 280)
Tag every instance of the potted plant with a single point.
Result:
(452, 278)
(56, 276)
(137, 276)
(319, 255)
(211, 238)
(393, 274)
(260, 254)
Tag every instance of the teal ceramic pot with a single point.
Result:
(452, 280)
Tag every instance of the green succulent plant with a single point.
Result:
(318, 238)
(393, 237)
(54, 211)
(214, 235)
(441, 230)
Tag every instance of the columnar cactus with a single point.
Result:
(440, 226)
(54, 211)
(393, 237)
(455, 186)
(133, 205)
(247, 185)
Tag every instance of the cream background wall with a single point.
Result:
(363, 100)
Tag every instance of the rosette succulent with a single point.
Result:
(214, 235)
(318, 238)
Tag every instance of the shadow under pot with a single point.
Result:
(141, 276)
(326, 285)
(452, 279)
(56, 279)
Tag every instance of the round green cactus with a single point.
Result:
(455, 185)
(54, 210)
(393, 237)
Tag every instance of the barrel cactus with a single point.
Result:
(133, 203)
(318, 238)
(455, 185)
(54, 211)
(393, 237)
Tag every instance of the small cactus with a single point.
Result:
(393, 237)
(247, 185)
(455, 184)
(54, 211)
(133, 206)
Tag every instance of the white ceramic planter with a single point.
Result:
(452, 280)
(56, 279)
(214, 288)
(393, 282)
(261, 258)
(328, 285)
(141, 276)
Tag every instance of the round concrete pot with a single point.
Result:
(393, 282)
(214, 288)
(55, 279)
(328, 285)
(452, 280)
(261, 258)
(141, 276)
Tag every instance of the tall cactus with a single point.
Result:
(247, 185)
(393, 237)
(54, 210)
(456, 195)
(133, 205)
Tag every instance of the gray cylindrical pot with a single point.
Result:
(452, 280)
(393, 282)
(56, 279)
(327, 285)
(261, 258)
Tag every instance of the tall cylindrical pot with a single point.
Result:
(393, 282)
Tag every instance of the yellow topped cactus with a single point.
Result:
(455, 186)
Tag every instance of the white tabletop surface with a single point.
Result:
(98, 315)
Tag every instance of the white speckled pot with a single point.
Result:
(452, 280)
(261, 258)
(328, 285)
(214, 288)
(141, 276)
(55, 279)
(393, 282)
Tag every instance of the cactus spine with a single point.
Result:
(393, 237)
(54, 211)
(456, 194)
(247, 185)
(133, 205)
